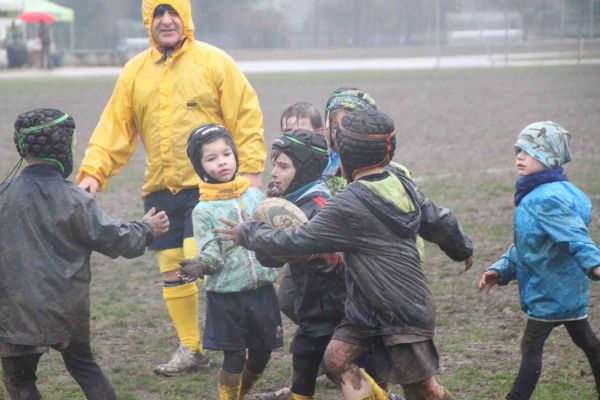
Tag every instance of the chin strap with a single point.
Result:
(11, 175)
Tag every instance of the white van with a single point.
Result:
(486, 27)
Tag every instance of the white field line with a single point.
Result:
(349, 64)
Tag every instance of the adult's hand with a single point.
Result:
(89, 184)
(255, 179)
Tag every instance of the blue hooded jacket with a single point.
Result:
(552, 256)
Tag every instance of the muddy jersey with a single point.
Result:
(374, 222)
(320, 285)
(50, 226)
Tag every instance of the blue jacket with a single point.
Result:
(552, 256)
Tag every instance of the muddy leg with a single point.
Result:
(427, 389)
(339, 361)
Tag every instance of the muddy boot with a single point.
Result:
(184, 360)
(229, 386)
(249, 378)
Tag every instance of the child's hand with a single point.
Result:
(489, 279)
(89, 184)
(193, 269)
(596, 271)
(229, 234)
(159, 221)
(468, 263)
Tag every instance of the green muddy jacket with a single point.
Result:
(375, 222)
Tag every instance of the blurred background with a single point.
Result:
(108, 32)
(427, 63)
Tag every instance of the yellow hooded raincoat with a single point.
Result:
(163, 99)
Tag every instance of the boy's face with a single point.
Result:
(334, 121)
(283, 173)
(218, 160)
(527, 165)
(292, 123)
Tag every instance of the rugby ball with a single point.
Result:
(280, 213)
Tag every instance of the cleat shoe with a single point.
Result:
(281, 394)
(394, 396)
(184, 360)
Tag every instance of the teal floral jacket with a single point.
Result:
(237, 270)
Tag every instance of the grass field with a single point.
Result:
(455, 131)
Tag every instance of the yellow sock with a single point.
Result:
(378, 392)
(182, 303)
(296, 396)
(369, 397)
(229, 386)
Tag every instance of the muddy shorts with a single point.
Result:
(287, 294)
(18, 350)
(243, 320)
(305, 346)
(407, 362)
(179, 208)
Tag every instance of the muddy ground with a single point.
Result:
(455, 132)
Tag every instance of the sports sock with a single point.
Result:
(378, 392)
(229, 386)
(296, 396)
(182, 304)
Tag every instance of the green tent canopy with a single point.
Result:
(12, 8)
(60, 13)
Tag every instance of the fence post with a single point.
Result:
(438, 17)
(592, 19)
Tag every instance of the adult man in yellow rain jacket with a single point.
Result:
(162, 94)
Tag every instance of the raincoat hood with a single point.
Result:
(398, 212)
(183, 8)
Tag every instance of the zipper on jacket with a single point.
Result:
(246, 251)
